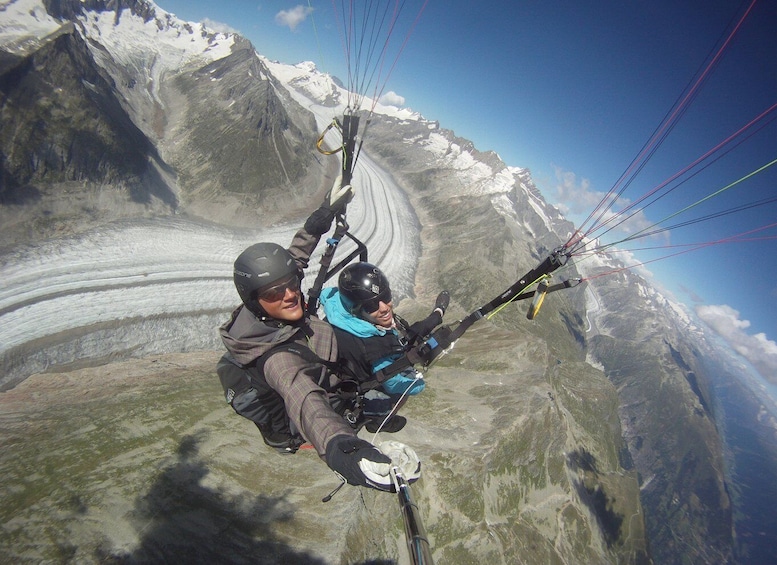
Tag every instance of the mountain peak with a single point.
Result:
(73, 9)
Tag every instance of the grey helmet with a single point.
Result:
(257, 268)
(362, 286)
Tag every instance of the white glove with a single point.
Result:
(403, 457)
(335, 201)
(378, 475)
(339, 196)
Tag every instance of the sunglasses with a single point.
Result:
(278, 292)
(371, 305)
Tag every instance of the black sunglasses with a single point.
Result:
(372, 304)
(277, 292)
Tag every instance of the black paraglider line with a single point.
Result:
(738, 238)
(578, 244)
(365, 34)
(653, 142)
(349, 125)
(620, 214)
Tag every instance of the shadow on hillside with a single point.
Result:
(181, 521)
(592, 494)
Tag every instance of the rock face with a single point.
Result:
(142, 461)
(94, 130)
(668, 419)
(129, 466)
(67, 144)
(67, 122)
(238, 141)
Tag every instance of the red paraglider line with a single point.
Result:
(738, 238)
(678, 174)
(577, 235)
(378, 94)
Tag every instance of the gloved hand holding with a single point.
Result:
(359, 462)
(362, 464)
(424, 327)
(442, 302)
(334, 203)
(338, 196)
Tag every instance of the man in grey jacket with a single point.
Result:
(276, 371)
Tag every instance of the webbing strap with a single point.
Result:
(314, 293)
(327, 271)
(443, 337)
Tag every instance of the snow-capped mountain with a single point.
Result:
(166, 40)
(130, 77)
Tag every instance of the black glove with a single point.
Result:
(319, 222)
(424, 327)
(359, 462)
(334, 203)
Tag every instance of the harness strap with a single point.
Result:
(443, 337)
(325, 272)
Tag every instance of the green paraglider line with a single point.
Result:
(720, 214)
(360, 77)
(698, 245)
(641, 233)
(738, 238)
(652, 144)
(591, 234)
(581, 253)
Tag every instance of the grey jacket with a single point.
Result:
(247, 337)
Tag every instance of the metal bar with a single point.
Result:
(417, 542)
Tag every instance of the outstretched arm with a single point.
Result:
(307, 404)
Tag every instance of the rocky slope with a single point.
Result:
(94, 130)
(646, 347)
(142, 462)
(667, 411)
(69, 149)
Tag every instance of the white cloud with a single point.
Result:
(633, 263)
(391, 98)
(760, 351)
(218, 26)
(292, 18)
(577, 198)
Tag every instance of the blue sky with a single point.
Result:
(573, 91)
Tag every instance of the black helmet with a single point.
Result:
(258, 267)
(362, 286)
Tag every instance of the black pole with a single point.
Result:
(444, 336)
(417, 542)
(350, 129)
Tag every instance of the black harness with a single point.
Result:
(246, 390)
